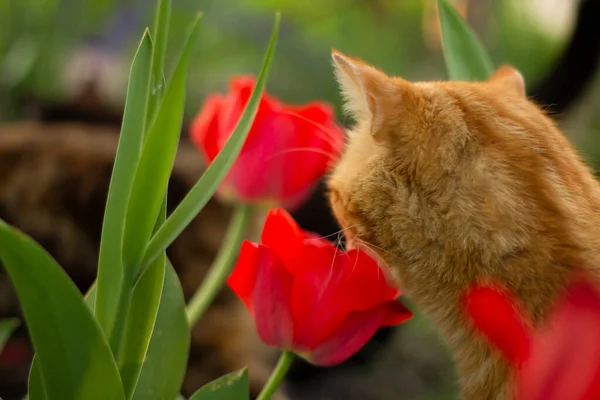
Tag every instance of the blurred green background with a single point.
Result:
(50, 48)
(50, 51)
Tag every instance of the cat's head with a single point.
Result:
(437, 162)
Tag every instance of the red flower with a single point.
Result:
(560, 361)
(309, 297)
(288, 148)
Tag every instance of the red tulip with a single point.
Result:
(561, 360)
(309, 297)
(287, 151)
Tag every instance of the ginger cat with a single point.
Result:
(453, 182)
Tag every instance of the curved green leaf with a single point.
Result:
(166, 360)
(156, 163)
(466, 59)
(140, 324)
(233, 386)
(110, 268)
(63, 331)
(207, 185)
(36, 390)
(35, 386)
(142, 316)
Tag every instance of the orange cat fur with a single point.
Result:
(453, 182)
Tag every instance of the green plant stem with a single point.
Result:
(221, 267)
(282, 367)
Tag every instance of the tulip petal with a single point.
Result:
(497, 316)
(397, 314)
(356, 330)
(272, 301)
(282, 234)
(364, 284)
(316, 147)
(260, 171)
(316, 276)
(240, 89)
(565, 359)
(329, 285)
(205, 131)
(243, 278)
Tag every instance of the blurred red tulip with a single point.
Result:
(287, 151)
(309, 297)
(559, 361)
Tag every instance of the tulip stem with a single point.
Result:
(282, 367)
(221, 267)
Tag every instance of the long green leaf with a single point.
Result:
(233, 386)
(155, 164)
(110, 268)
(207, 185)
(166, 360)
(73, 355)
(160, 33)
(7, 326)
(466, 59)
(36, 389)
(141, 323)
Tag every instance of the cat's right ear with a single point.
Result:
(364, 89)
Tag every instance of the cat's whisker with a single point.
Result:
(325, 284)
(375, 247)
(355, 263)
(325, 134)
(329, 138)
(333, 234)
(331, 156)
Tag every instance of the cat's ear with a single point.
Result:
(364, 89)
(510, 79)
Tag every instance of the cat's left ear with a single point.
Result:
(510, 79)
(365, 89)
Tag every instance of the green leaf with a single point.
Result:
(90, 297)
(140, 324)
(207, 185)
(110, 268)
(155, 164)
(466, 59)
(233, 386)
(73, 355)
(7, 326)
(166, 360)
(160, 33)
(36, 389)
